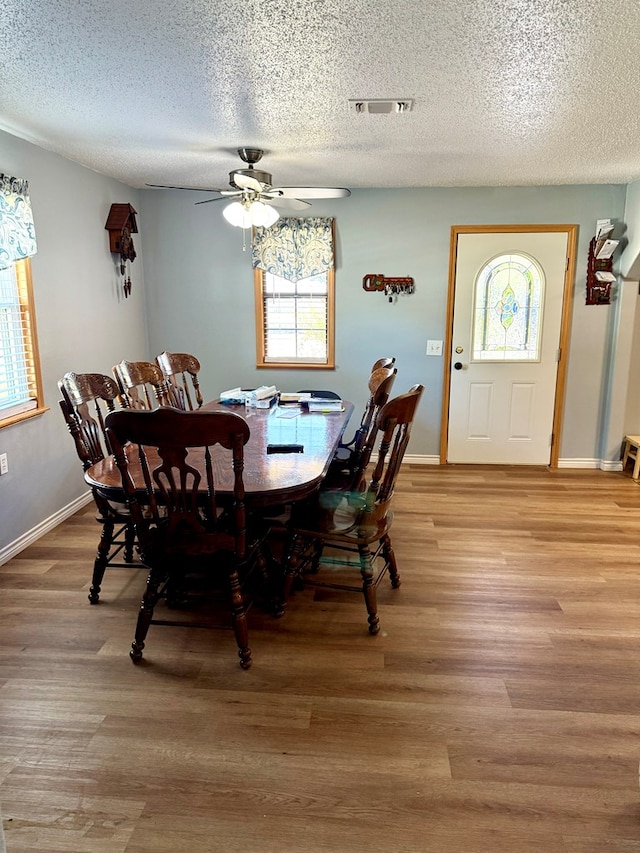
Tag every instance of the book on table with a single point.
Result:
(325, 406)
(288, 398)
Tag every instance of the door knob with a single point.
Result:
(458, 365)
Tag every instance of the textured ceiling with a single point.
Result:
(506, 92)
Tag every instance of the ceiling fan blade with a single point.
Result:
(286, 203)
(220, 198)
(246, 182)
(196, 189)
(311, 192)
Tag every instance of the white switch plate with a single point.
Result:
(434, 347)
(4, 464)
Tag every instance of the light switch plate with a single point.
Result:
(434, 347)
(4, 463)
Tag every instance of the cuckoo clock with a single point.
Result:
(121, 224)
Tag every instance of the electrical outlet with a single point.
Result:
(434, 347)
(4, 463)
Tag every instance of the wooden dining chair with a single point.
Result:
(86, 399)
(141, 385)
(180, 370)
(346, 464)
(331, 524)
(182, 523)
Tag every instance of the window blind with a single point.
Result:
(295, 319)
(18, 379)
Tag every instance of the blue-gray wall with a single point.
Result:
(200, 291)
(194, 293)
(83, 322)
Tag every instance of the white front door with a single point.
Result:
(505, 339)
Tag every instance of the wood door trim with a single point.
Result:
(565, 324)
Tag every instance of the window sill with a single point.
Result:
(295, 365)
(23, 416)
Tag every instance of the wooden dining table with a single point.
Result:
(269, 478)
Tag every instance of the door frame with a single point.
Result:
(565, 325)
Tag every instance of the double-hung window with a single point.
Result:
(294, 294)
(20, 380)
(295, 320)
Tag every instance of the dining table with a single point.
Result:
(270, 478)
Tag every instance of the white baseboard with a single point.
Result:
(416, 459)
(579, 463)
(606, 465)
(31, 536)
(602, 464)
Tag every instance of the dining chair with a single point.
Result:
(330, 525)
(142, 385)
(182, 524)
(180, 370)
(87, 398)
(346, 464)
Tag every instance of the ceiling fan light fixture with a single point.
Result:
(247, 213)
(262, 215)
(236, 215)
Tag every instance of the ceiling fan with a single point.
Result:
(256, 196)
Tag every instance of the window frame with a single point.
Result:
(329, 364)
(24, 284)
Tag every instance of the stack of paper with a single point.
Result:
(287, 397)
(326, 406)
(604, 227)
(265, 391)
(604, 247)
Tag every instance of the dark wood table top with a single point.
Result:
(268, 478)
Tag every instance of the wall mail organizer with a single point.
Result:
(600, 274)
(373, 282)
(121, 224)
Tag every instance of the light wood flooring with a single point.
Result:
(498, 711)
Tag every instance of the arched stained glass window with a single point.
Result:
(507, 313)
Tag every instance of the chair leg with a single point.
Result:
(145, 614)
(101, 560)
(129, 542)
(314, 564)
(390, 561)
(368, 588)
(290, 572)
(239, 618)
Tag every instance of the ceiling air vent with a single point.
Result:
(382, 105)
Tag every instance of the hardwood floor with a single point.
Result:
(498, 711)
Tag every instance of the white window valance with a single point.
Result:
(294, 248)
(17, 232)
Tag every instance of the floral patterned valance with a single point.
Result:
(17, 233)
(294, 248)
